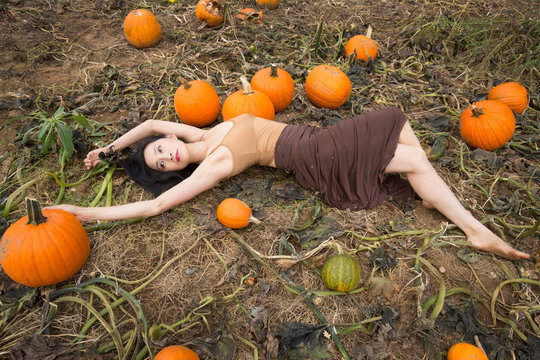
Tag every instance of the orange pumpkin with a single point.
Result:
(176, 352)
(247, 101)
(512, 94)
(327, 86)
(364, 47)
(235, 214)
(487, 124)
(196, 103)
(268, 4)
(142, 29)
(251, 15)
(277, 84)
(44, 248)
(464, 351)
(210, 12)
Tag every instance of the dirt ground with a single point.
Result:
(183, 278)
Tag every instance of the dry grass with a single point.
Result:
(183, 268)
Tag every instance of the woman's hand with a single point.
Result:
(78, 211)
(92, 158)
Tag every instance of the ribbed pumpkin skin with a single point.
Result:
(209, 11)
(341, 273)
(279, 87)
(45, 254)
(488, 131)
(327, 86)
(176, 352)
(142, 29)
(464, 351)
(198, 105)
(248, 101)
(512, 94)
(233, 213)
(364, 47)
(268, 4)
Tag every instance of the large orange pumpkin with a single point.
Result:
(464, 351)
(364, 47)
(277, 84)
(176, 352)
(512, 94)
(141, 28)
(197, 103)
(235, 214)
(247, 101)
(327, 86)
(487, 124)
(210, 12)
(268, 4)
(44, 248)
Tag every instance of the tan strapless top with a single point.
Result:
(252, 141)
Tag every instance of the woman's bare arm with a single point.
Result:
(207, 175)
(147, 128)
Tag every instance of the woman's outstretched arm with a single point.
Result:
(207, 175)
(147, 128)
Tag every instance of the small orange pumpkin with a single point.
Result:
(197, 103)
(248, 101)
(210, 12)
(142, 29)
(268, 4)
(364, 47)
(327, 86)
(44, 247)
(176, 352)
(487, 124)
(277, 84)
(235, 214)
(251, 15)
(464, 351)
(512, 94)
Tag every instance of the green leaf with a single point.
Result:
(47, 143)
(83, 121)
(66, 140)
(44, 130)
(58, 112)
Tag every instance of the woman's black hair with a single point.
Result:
(153, 180)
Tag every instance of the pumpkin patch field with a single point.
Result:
(272, 272)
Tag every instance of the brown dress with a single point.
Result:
(346, 162)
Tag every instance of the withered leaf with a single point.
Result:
(381, 286)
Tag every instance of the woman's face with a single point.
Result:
(166, 154)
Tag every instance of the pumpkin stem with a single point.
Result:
(35, 216)
(253, 219)
(273, 70)
(338, 247)
(369, 31)
(476, 111)
(185, 83)
(246, 86)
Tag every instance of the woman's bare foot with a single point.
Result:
(427, 204)
(488, 241)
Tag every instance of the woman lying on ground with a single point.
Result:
(348, 163)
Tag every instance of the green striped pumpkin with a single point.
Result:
(341, 273)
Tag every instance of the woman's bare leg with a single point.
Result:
(408, 137)
(411, 160)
